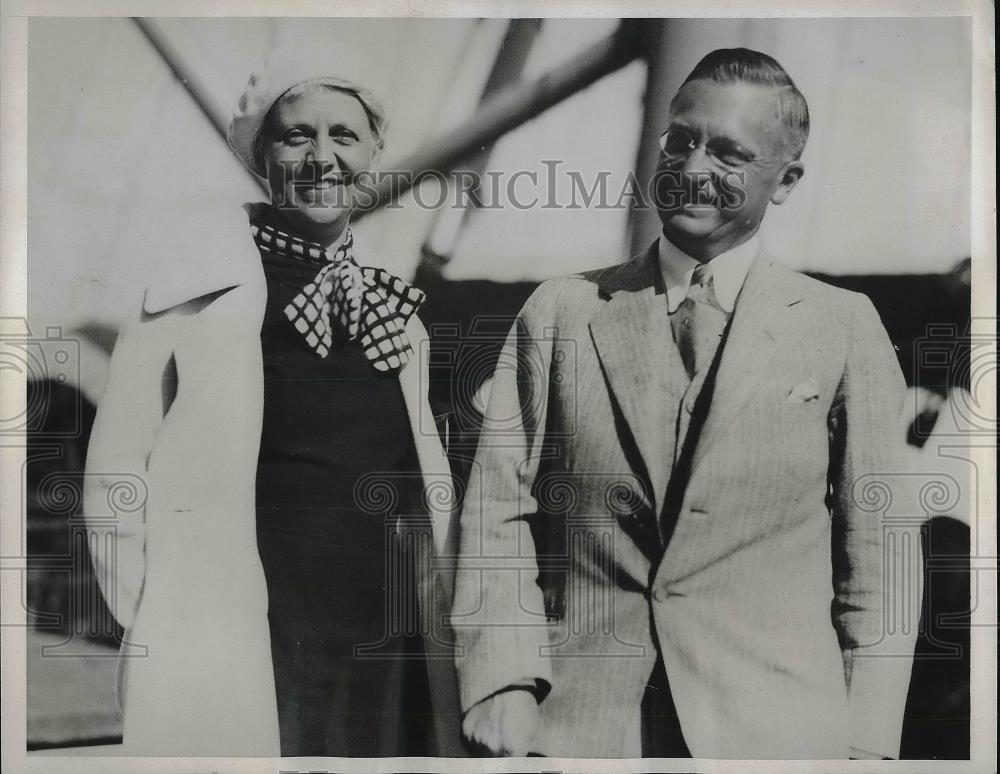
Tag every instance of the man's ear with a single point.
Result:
(789, 176)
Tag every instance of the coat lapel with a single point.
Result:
(641, 363)
(203, 255)
(759, 328)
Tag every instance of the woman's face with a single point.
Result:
(317, 141)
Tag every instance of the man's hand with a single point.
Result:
(504, 723)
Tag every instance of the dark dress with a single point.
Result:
(327, 543)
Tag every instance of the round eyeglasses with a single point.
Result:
(678, 144)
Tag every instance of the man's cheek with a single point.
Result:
(732, 191)
(669, 192)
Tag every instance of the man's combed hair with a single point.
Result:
(729, 65)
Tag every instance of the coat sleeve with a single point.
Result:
(437, 490)
(498, 613)
(434, 489)
(871, 553)
(115, 483)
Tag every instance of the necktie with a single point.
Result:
(699, 322)
(370, 305)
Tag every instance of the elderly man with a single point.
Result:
(663, 548)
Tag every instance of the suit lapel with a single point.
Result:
(759, 330)
(641, 363)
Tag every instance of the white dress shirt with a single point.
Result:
(729, 270)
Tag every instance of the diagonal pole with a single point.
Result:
(216, 113)
(513, 107)
(507, 110)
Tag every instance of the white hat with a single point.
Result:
(283, 70)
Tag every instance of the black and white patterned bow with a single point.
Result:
(371, 305)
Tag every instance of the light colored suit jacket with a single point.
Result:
(770, 601)
(169, 498)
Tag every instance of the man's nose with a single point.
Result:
(701, 172)
(698, 160)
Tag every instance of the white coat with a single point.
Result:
(169, 493)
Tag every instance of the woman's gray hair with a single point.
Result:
(377, 121)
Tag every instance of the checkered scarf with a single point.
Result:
(370, 305)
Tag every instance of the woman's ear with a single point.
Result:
(788, 178)
(376, 158)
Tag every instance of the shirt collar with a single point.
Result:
(729, 270)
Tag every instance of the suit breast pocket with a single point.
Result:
(802, 405)
(796, 425)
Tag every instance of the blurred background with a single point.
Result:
(126, 135)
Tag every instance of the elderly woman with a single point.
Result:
(269, 395)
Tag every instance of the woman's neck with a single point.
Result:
(325, 234)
